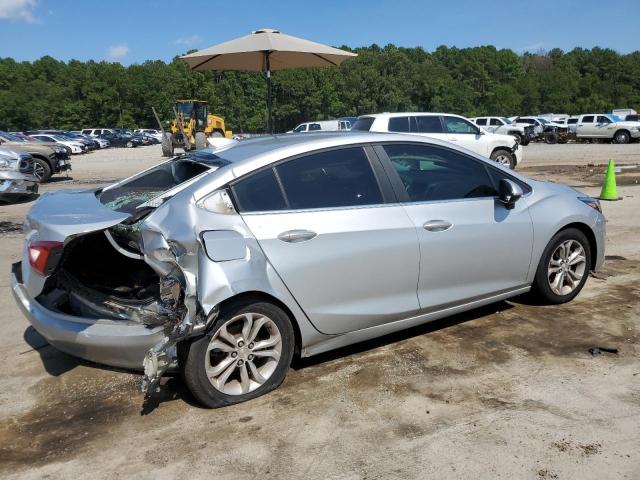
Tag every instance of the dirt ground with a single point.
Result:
(506, 391)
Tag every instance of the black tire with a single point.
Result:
(518, 137)
(541, 289)
(201, 140)
(167, 145)
(551, 138)
(504, 157)
(622, 137)
(42, 170)
(193, 366)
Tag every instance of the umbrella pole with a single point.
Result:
(269, 104)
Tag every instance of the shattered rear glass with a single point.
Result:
(140, 189)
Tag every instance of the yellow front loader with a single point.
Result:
(191, 126)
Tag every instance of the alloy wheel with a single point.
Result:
(38, 171)
(243, 354)
(503, 160)
(566, 267)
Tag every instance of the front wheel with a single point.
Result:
(41, 170)
(563, 268)
(246, 354)
(551, 138)
(622, 137)
(129, 144)
(504, 158)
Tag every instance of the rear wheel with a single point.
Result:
(505, 158)
(246, 354)
(167, 145)
(201, 140)
(622, 137)
(563, 268)
(41, 170)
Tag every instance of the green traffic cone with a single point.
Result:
(609, 189)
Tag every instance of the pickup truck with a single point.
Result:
(606, 126)
(522, 133)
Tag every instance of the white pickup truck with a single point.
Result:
(607, 126)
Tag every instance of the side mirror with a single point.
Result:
(510, 193)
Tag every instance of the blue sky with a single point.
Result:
(134, 31)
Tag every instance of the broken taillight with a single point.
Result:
(44, 256)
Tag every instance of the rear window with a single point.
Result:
(363, 124)
(429, 124)
(481, 121)
(399, 124)
(141, 188)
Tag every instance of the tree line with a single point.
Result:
(48, 93)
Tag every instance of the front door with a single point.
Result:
(465, 134)
(349, 258)
(471, 246)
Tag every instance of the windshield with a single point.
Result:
(543, 121)
(11, 137)
(506, 120)
(363, 124)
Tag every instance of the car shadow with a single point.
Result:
(26, 198)
(395, 337)
(53, 360)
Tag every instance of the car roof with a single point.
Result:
(405, 114)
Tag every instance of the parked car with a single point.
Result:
(49, 158)
(605, 126)
(322, 125)
(448, 127)
(16, 175)
(62, 136)
(157, 134)
(522, 133)
(289, 246)
(76, 147)
(93, 141)
(121, 140)
(571, 123)
(550, 132)
(96, 132)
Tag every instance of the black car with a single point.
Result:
(121, 140)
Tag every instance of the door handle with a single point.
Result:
(437, 225)
(295, 236)
(453, 139)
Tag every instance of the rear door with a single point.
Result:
(587, 126)
(329, 224)
(471, 246)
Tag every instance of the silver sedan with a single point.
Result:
(227, 264)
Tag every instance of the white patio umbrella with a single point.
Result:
(266, 50)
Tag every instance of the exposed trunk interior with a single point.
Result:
(94, 280)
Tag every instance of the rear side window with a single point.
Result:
(363, 124)
(259, 192)
(431, 173)
(572, 121)
(587, 119)
(337, 178)
(399, 124)
(481, 121)
(429, 124)
(314, 126)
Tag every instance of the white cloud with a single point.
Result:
(188, 41)
(18, 10)
(116, 52)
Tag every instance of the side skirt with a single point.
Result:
(338, 341)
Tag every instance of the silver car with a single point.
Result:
(227, 264)
(16, 175)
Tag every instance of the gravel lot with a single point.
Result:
(509, 390)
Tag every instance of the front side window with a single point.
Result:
(459, 125)
(603, 119)
(300, 128)
(399, 124)
(336, 178)
(495, 122)
(431, 173)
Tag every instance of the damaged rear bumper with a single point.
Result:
(111, 342)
